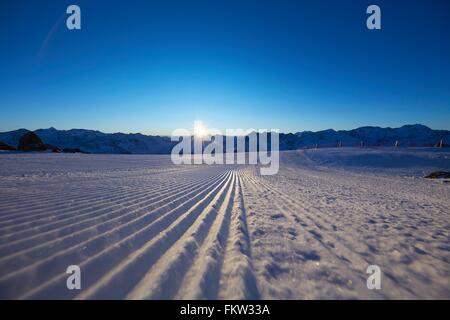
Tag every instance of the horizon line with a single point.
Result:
(268, 130)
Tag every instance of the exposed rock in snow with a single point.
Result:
(438, 175)
(30, 141)
(73, 150)
(6, 147)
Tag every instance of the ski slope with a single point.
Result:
(142, 228)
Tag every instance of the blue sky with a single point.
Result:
(153, 66)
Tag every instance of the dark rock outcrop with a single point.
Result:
(6, 147)
(441, 144)
(30, 141)
(73, 150)
(52, 148)
(438, 175)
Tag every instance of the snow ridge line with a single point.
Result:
(166, 276)
(81, 197)
(237, 280)
(71, 231)
(202, 279)
(120, 280)
(122, 206)
(77, 190)
(114, 257)
(80, 192)
(95, 247)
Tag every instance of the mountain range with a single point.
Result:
(135, 143)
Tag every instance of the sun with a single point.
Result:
(200, 129)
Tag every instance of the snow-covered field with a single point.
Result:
(142, 228)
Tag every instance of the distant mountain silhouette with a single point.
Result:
(416, 135)
(119, 143)
(95, 141)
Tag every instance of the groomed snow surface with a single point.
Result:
(140, 227)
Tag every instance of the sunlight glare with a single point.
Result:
(200, 129)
